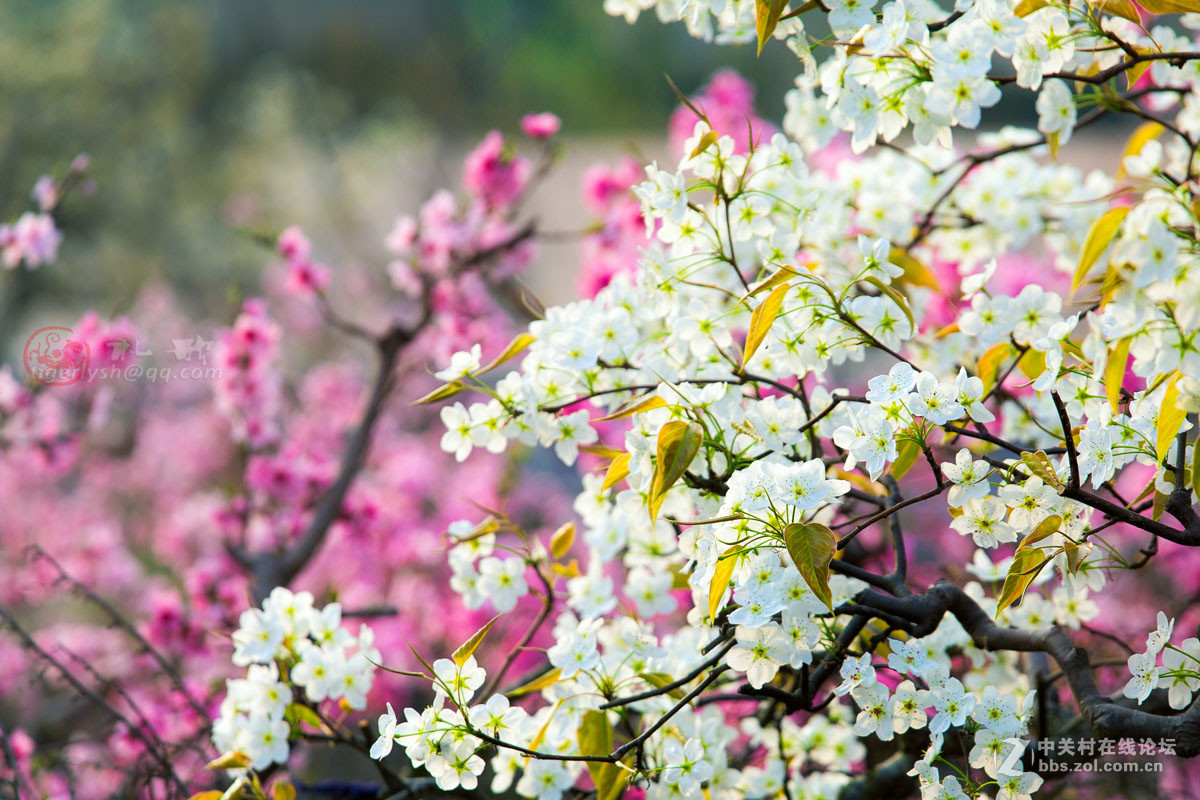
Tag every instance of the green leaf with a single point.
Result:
(988, 368)
(562, 540)
(1049, 525)
(908, 452)
(1052, 142)
(1099, 237)
(761, 320)
(812, 547)
(283, 790)
(537, 684)
(720, 580)
(1114, 372)
(1039, 464)
(766, 18)
(678, 443)
(468, 647)
(1027, 563)
(1170, 418)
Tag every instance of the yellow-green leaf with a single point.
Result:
(1114, 372)
(617, 471)
(1076, 553)
(907, 453)
(766, 18)
(780, 275)
(297, 713)
(214, 794)
(1170, 6)
(1121, 8)
(942, 333)
(596, 739)
(1027, 563)
(1099, 237)
(562, 539)
(812, 547)
(989, 364)
(1145, 133)
(537, 684)
(660, 680)
(720, 580)
(541, 734)
(234, 759)
(1039, 464)
(1027, 7)
(1159, 504)
(518, 344)
(915, 273)
(1195, 470)
(282, 790)
(1046, 527)
(706, 141)
(678, 443)
(441, 393)
(570, 570)
(468, 648)
(761, 320)
(1032, 363)
(635, 406)
(1052, 140)
(603, 451)
(1170, 417)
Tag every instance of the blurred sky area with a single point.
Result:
(333, 114)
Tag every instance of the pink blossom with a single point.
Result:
(494, 176)
(728, 101)
(540, 126)
(294, 245)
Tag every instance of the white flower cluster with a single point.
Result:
(912, 64)
(760, 283)
(289, 645)
(1179, 672)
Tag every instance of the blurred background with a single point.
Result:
(203, 116)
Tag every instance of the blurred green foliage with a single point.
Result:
(200, 112)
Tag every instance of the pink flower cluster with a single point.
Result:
(138, 491)
(614, 240)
